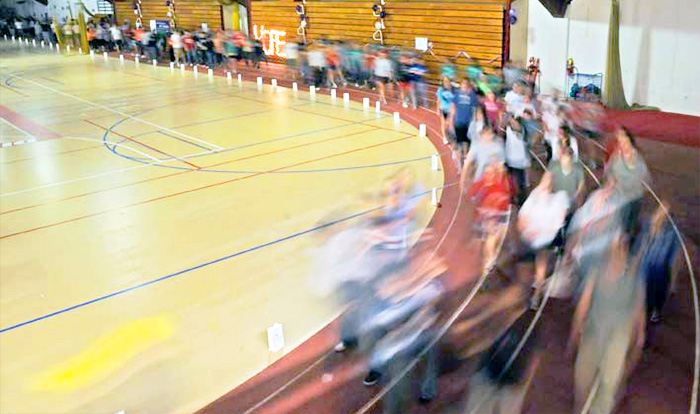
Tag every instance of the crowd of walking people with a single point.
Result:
(29, 28)
(595, 246)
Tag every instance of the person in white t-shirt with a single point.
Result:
(514, 99)
(117, 38)
(19, 27)
(317, 63)
(178, 47)
(552, 120)
(539, 220)
(517, 157)
(291, 52)
(383, 73)
(76, 33)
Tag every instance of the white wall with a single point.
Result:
(518, 33)
(29, 8)
(546, 40)
(64, 8)
(656, 43)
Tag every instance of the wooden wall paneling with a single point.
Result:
(473, 26)
(190, 13)
(276, 14)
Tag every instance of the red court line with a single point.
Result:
(192, 190)
(188, 171)
(141, 143)
(25, 124)
(271, 379)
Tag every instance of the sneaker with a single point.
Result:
(372, 378)
(445, 141)
(425, 399)
(345, 345)
(405, 105)
(655, 317)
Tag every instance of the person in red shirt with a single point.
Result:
(493, 109)
(491, 194)
(368, 65)
(189, 45)
(138, 36)
(332, 65)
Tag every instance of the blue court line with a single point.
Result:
(181, 272)
(202, 265)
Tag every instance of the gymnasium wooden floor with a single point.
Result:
(153, 225)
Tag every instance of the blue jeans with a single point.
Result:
(191, 57)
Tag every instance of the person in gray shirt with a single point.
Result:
(567, 175)
(630, 172)
(482, 154)
(608, 329)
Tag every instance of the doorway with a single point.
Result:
(236, 17)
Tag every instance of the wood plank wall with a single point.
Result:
(474, 26)
(190, 13)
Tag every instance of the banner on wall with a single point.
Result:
(160, 25)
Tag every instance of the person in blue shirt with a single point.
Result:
(445, 95)
(657, 249)
(419, 89)
(461, 115)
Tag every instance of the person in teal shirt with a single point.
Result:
(445, 96)
(449, 70)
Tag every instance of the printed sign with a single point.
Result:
(422, 43)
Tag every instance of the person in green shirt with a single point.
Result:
(568, 176)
